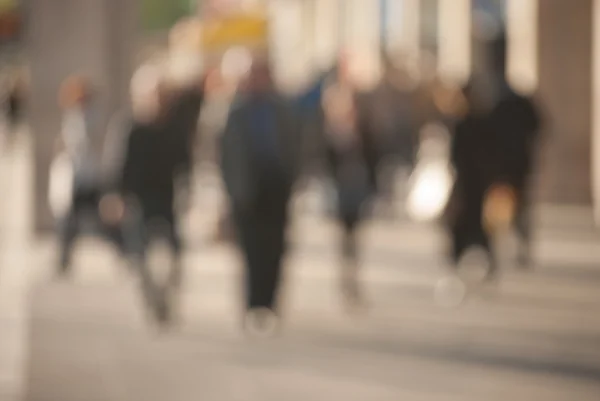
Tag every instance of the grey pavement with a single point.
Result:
(535, 334)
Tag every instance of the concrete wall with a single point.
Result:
(565, 49)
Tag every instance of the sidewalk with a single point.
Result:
(15, 267)
(537, 336)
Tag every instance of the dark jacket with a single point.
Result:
(182, 124)
(492, 147)
(244, 170)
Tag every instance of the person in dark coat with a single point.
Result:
(144, 185)
(493, 152)
(183, 115)
(470, 148)
(352, 160)
(516, 123)
(393, 116)
(259, 162)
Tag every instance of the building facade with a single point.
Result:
(554, 49)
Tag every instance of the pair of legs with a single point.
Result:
(352, 196)
(349, 249)
(261, 236)
(84, 205)
(262, 242)
(523, 228)
(139, 228)
(467, 233)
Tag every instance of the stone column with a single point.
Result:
(290, 50)
(454, 40)
(362, 29)
(596, 111)
(402, 22)
(565, 56)
(522, 33)
(95, 38)
(326, 32)
(403, 27)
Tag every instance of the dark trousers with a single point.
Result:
(151, 222)
(84, 206)
(464, 221)
(466, 234)
(261, 236)
(350, 202)
(350, 219)
(153, 219)
(142, 225)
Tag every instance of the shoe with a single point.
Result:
(162, 312)
(492, 275)
(261, 322)
(63, 270)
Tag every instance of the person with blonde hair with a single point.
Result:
(144, 172)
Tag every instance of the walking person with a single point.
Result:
(352, 159)
(259, 161)
(144, 186)
(493, 149)
(78, 128)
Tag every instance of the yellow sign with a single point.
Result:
(235, 30)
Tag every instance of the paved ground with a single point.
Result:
(15, 243)
(535, 335)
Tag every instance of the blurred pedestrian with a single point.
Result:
(470, 151)
(15, 105)
(516, 123)
(350, 153)
(79, 125)
(185, 79)
(259, 161)
(144, 186)
(391, 111)
(493, 152)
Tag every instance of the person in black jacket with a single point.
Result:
(493, 150)
(516, 123)
(185, 104)
(352, 157)
(259, 162)
(144, 186)
(470, 150)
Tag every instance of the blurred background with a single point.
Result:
(535, 333)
